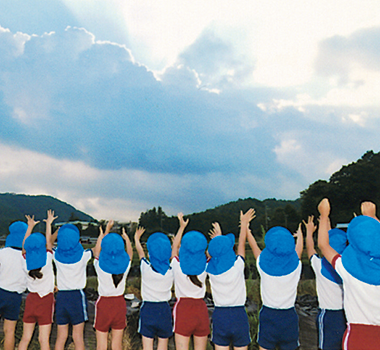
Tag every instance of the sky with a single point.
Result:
(116, 107)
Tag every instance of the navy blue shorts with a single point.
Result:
(10, 304)
(331, 325)
(155, 320)
(230, 326)
(278, 327)
(70, 307)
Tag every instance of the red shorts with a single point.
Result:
(191, 317)
(361, 337)
(39, 310)
(110, 313)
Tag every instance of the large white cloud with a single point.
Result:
(119, 137)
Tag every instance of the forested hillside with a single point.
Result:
(346, 189)
(270, 212)
(15, 206)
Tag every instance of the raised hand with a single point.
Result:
(31, 221)
(324, 207)
(215, 231)
(182, 222)
(247, 217)
(310, 226)
(139, 232)
(50, 217)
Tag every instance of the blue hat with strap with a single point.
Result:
(361, 258)
(113, 258)
(35, 251)
(192, 257)
(160, 251)
(16, 235)
(338, 241)
(279, 257)
(69, 249)
(222, 254)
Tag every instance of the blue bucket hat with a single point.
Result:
(69, 250)
(16, 235)
(192, 257)
(35, 251)
(361, 258)
(338, 241)
(279, 257)
(222, 254)
(113, 258)
(160, 251)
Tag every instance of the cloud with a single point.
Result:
(115, 134)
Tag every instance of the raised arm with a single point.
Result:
(323, 230)
(310, 229)
(54, 236)
(253, 244)
(215, 231)
(98, 246)
(31, 224)
(245, 219)
(177, 239)
(140, 251)
(49, 220)
(299, 244)
(128, 245)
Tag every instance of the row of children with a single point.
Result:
(279, 267)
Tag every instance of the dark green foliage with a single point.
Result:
(14, 207)
(347, 189)
(269, 213)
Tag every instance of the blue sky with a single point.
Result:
(116, 107)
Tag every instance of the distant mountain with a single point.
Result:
(15, 206)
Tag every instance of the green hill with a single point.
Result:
(15, 206)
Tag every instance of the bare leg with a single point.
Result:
(147, 343)
(43, 336)
(78, 336)
(27, 334)
(240, 347)
(219, 347)
(101, 340)
(200, 343)
(162, 343)
(182, 342)
(9, 334)
(117, 339)
(62, 334)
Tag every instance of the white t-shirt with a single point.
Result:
(72, 276)
(155, 286)
(361, 300)
(279, 292)
(228, 288)
(184, 288)
(106, 287)
(44, 285)
(330, 294)
(12, 270)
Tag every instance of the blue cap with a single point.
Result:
(16, 235)
(113, 258)
(192, 257)
(35, 251)
(338, 241)
(361, 258)
(69, 250)
(222, 254)
(160, 251)
(279, 257)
